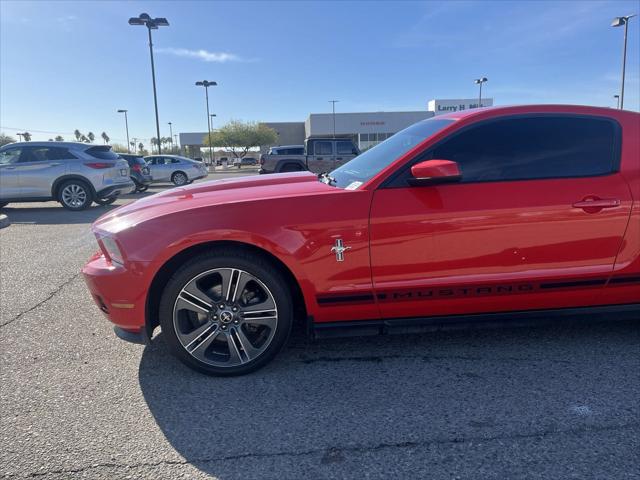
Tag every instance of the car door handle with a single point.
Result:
(338, 158)
(319, 158)
(597, 203)
(9, 168)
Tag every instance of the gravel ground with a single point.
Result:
(559, 402)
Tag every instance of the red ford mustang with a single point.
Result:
(490, 214)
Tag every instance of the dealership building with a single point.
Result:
(365, 128)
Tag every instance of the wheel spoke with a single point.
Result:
(267, 305)
(188, 339)
(240, 284)
(192, 290)
(250, 351)
(200, 350)
(234, 353)
(183, 304)
(268, 321)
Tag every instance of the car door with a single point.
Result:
(158, 169)
(323, 160)
(9, 183)
(535, 223)
(39, 167)
(345, 151)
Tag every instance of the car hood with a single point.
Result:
(215, 192)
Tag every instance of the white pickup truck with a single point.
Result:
(320, 155)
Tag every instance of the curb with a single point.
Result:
(4, 221)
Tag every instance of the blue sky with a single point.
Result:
(68, 65)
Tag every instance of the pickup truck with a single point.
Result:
(320, 155)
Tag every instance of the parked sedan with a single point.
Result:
(175, 169)
(139, 171)
(74, 174)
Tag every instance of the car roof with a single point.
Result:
(528, 109)
(55, 144)
(289, 146)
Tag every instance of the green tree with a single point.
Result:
(78, 134)
(238, 137)
(105, 137)
(59, 139)
(118, 147)
(91, 137)
(4, 139)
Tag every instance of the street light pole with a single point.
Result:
(171, 136)
(617, 97)
(176, 138)
(480, 81)
(152, 24)
(20, 135)
(126, 125)
(618, 22)
(333, 105)
(206, 84)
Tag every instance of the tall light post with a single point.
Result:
(617, 97)
(126, 125)
(333, 105)
(151, 24)
(619, 22)
(480, 81)
(20, 135)
(171, 135)
(176, 139)
(206, 84)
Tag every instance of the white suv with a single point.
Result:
(74, 174)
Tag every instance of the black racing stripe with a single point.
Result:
(327, 300)
(576, 283)
(625, 280)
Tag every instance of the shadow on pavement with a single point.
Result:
(53, 215)
(321, 407)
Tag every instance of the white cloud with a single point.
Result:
(204, 55)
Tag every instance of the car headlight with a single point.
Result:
(110, 248)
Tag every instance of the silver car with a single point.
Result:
(175, 169)
(74, 174)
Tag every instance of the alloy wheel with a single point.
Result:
(225, 317)
(74, 195)
(180, 179)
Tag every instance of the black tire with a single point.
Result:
(290, 167)
(143, 188)
(3, 204)
(83, 191)
(105, 201)
(255, 266)
(179, 179)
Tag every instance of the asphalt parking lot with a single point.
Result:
(548, 402)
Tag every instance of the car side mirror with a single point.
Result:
(434, 172)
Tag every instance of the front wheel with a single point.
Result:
(226, 313)
(75, 195)
(179, 179)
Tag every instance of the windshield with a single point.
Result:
(359, 170)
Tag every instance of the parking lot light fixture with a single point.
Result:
(206, 84)
(480, 81)
(171, 135)
(333, 105)
(152, 24)
(617, 97)
(619, 22)
(126, 125)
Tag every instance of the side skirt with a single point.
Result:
(482, 320)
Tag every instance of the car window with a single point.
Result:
(533, 148)
(9, 156)
(344, 148)
(102, 152)
(173, 160)
(323, 148)
(43, 154)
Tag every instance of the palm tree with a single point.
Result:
(84, 139)
(91, 137)
(78, 135)
(133, 145)
(141, 146)
(27, 136)
(59, 139)
(154, 141)
(105, 137)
